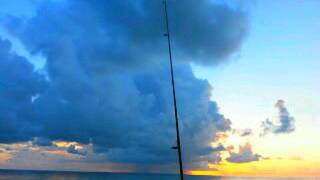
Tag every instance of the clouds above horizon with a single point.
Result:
(244, 155)
(286, 123)
(109, 83)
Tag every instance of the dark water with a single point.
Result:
(50, 175)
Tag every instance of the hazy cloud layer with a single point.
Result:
(109, 83)
(286, 121)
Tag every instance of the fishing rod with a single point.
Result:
(167, 34)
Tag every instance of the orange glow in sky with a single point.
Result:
(284, 168)
(4, 156)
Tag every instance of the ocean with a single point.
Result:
(55, 175)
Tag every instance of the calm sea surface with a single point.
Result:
(44, 175)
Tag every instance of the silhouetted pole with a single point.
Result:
(173, 91)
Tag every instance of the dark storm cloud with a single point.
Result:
(130, 33)
(244, 155)
(286, 122)
(109, 80)
(18, 83)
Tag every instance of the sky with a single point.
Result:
(84, 85)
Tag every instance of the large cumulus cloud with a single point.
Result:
(109, 83)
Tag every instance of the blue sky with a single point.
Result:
(279, 60)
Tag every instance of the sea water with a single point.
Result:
(54, 175)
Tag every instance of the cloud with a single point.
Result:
(286, 122)
(109, 82)
(18, 83)
(131, 34)
(215, 158)
(243, 132)
(244, 155)
(246, 132)
(220, 147)
(73, 150)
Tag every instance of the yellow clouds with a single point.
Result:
(65, 144)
